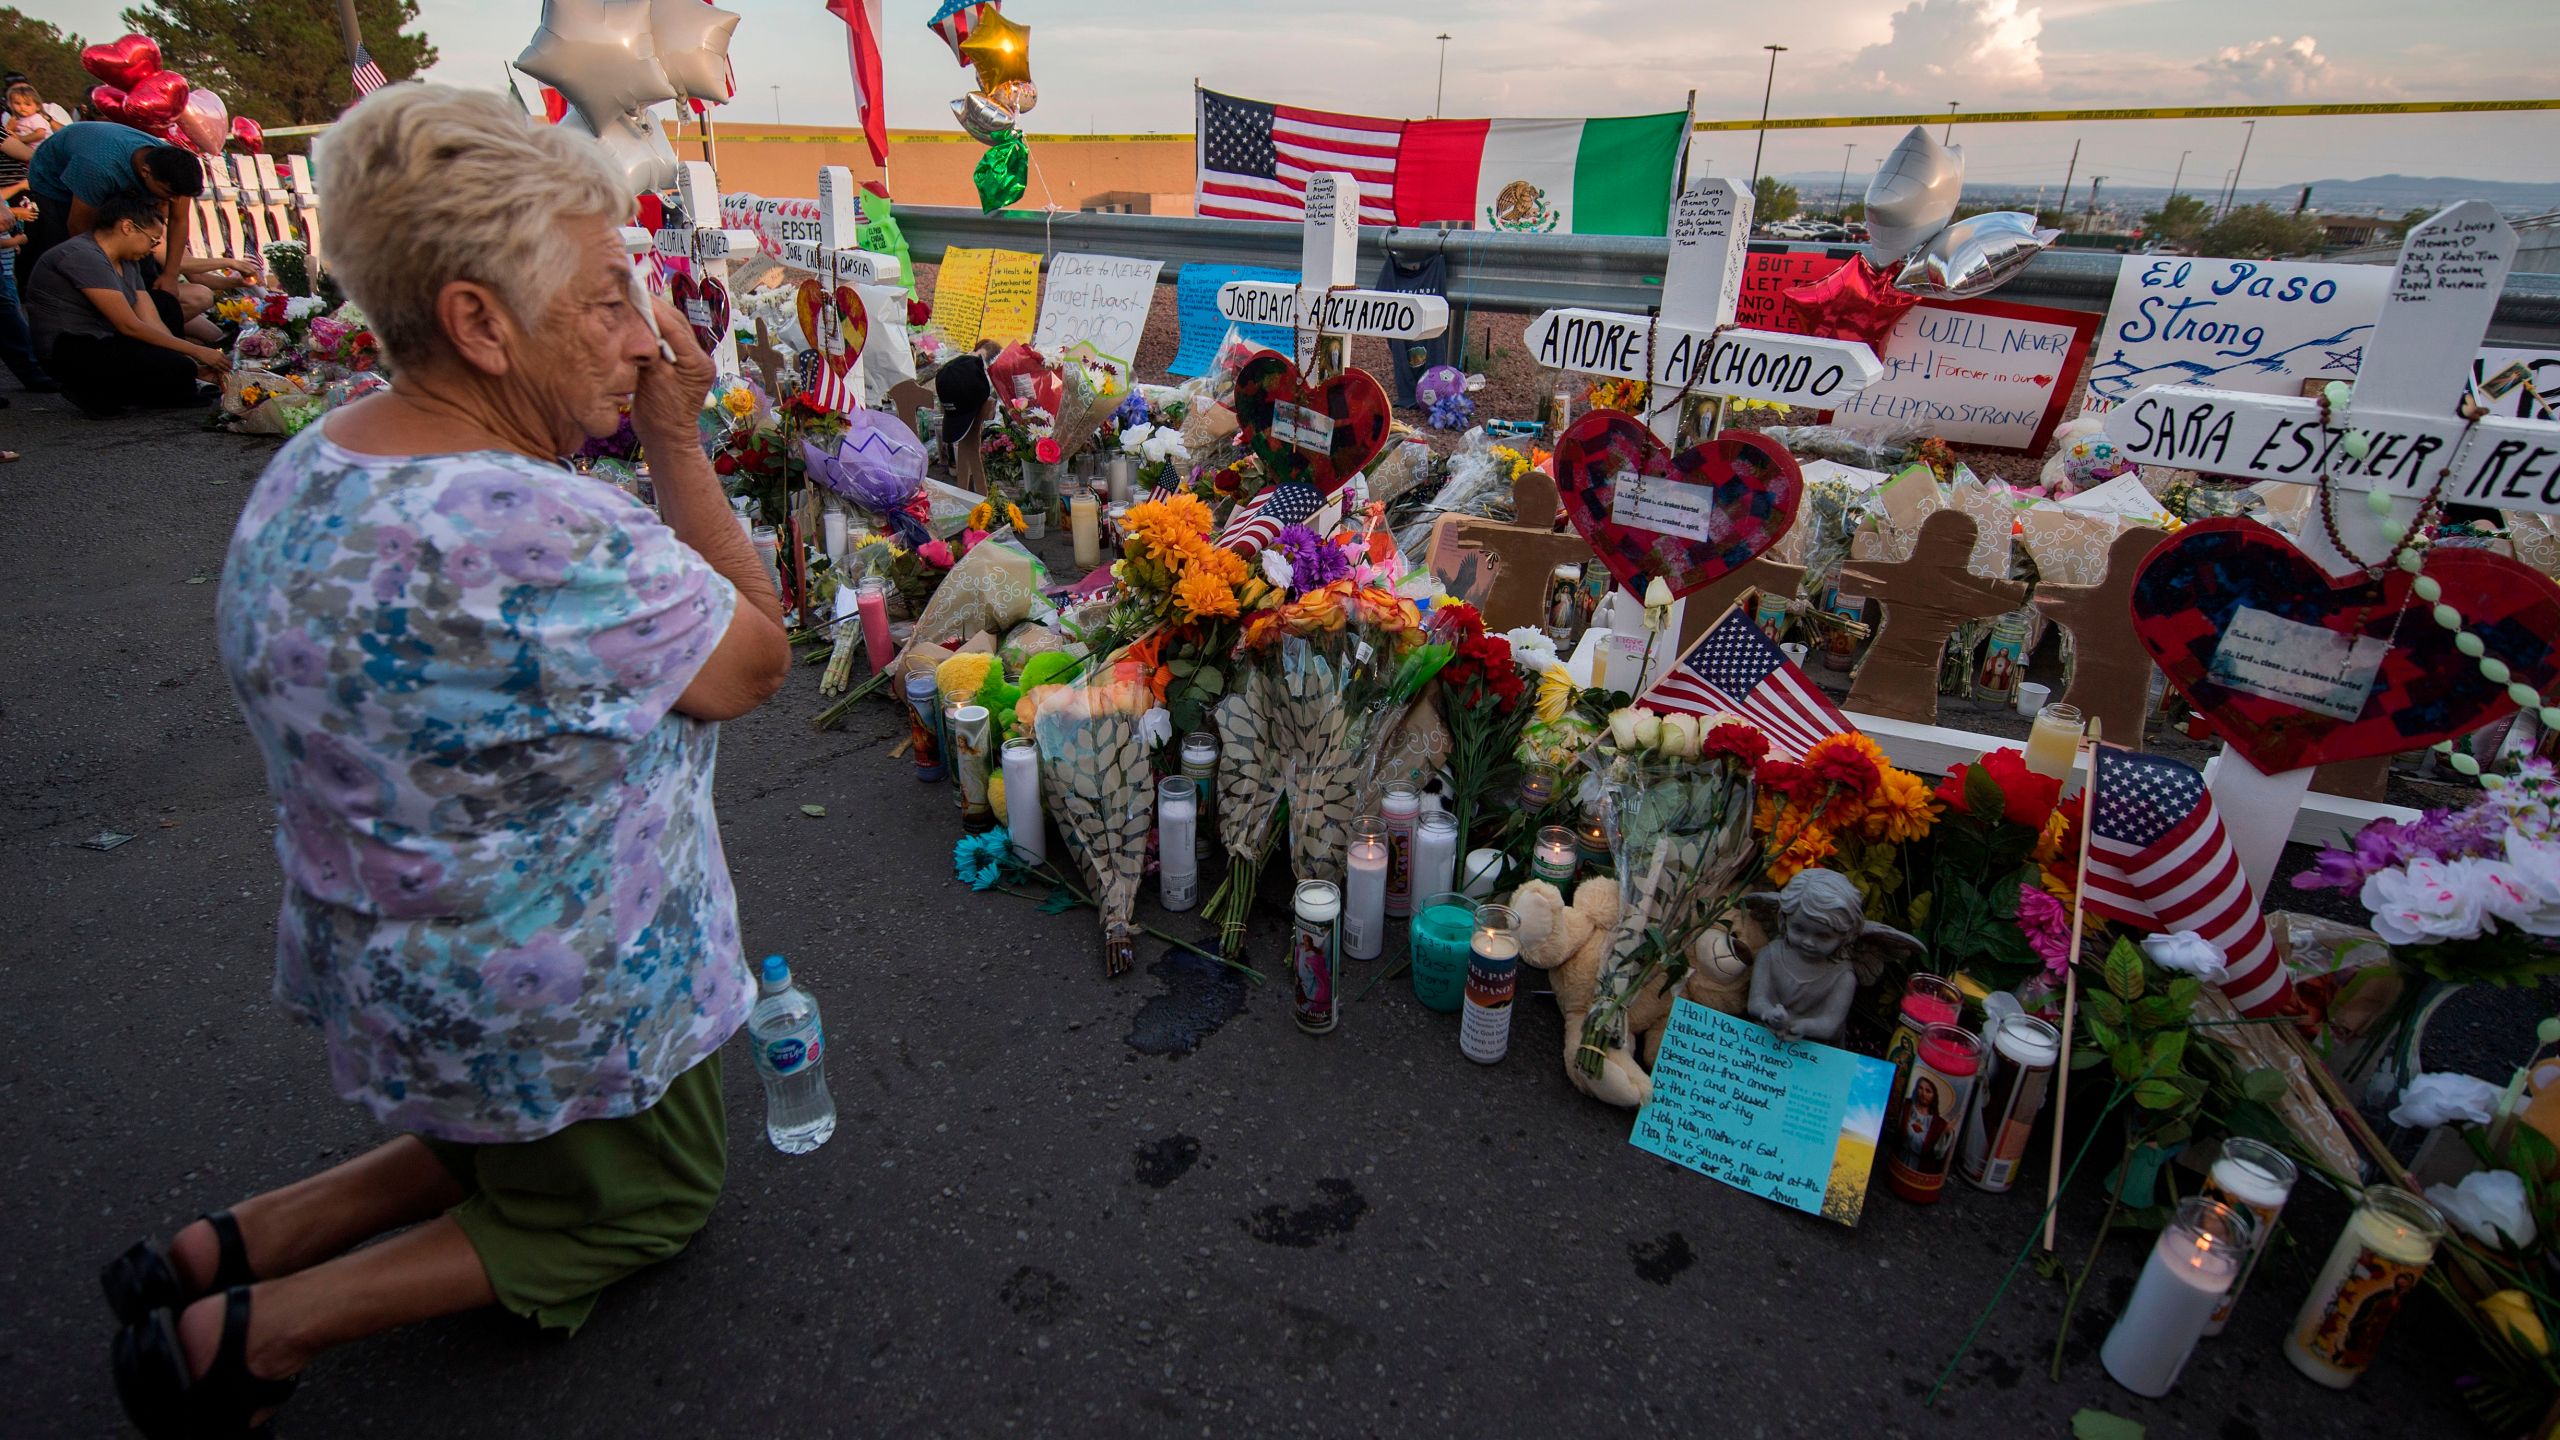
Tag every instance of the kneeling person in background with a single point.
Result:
(109, 339)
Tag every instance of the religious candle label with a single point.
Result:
(1311, 958)
(1298, 426)
(2306, 666)
(1670, 507)
(2346, 1333)
(1789, 1121)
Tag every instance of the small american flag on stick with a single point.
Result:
(1258, 521)
(1737, 669)
(2159, 858)
(368, 76)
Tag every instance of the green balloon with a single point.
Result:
(1003, 173)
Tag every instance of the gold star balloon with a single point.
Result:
(1000, 49)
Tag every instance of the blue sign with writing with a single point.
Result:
(1789, 1121)
(1195, 295)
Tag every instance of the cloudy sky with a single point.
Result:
(1119, 65)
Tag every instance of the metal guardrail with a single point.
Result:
(1521, 274)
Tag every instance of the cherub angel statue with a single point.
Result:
(1821, 947)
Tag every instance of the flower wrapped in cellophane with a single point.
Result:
(1097, 782)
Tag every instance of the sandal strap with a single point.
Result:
(227, 1388)
(231, 1267)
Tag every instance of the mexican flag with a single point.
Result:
(1564, 177)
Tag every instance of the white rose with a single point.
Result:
(2187, 953)
(2423, 902)
(2444, 1097)
(1155, 727)
(1679, 735)
(1622, 726)
(1275, 567)
(1648, 730)
(1134, 439)
(2490, 1204)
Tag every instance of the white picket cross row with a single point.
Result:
(223, 234)
(701, 240)
(1325, 302)
(2443, 294)
(273, 198)
(306, 204)
(244, 196)
(1681, 353)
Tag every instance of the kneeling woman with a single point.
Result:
(487, 691)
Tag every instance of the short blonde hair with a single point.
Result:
(427, 184)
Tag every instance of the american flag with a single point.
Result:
(368, 76)
(1737, 669)
(955, 19)
(814, 378)
(1258, 521)
(1255, 158)
(2159, 858)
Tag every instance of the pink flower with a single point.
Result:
(1049, 450)
(2047, 926)
(937, 553)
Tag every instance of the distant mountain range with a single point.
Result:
(2377, 194)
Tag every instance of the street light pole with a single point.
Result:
(1766, 91)
(1950, 137)
(2181, 175)
(1440, 87)
(2094, 182)
(1840, 202)
(2249, 131)
(777, 104)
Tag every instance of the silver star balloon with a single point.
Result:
(600, 55)
(693, 45)
(1974, 256)
(636, 146)
(1913, 196)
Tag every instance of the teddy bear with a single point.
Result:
(1571, 943)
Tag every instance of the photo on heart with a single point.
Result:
(2294, 668)
(1688, 518)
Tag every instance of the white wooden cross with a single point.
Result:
(1323, 305)
(220, 205)
(701, 240)
(1682, 353)
(271, 194)
(831, 254)
(243, 200)
(306, 204)
(2442, 296)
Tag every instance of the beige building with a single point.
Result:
(1147, 175)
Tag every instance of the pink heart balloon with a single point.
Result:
(108, 101)
(250, 134)
(123, 61)
(155, 100)
(206, 120)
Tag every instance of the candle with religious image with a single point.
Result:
(1314, 939)
(1923, 1145)
(965, 728)
(2192, 1266)
(924, 725)
(2254, 1176)
(1400, 807)
(1023, 819)
(1364, 890)
(2378, 1260)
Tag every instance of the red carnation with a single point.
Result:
(2029, 798)
(918, 312)
(1784, 778)
(1846, 770)
(1739, 741)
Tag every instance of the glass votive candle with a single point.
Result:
(1364, 889)
(1493, 978)
(1441, 932)
(2192, 1266)
(2054, 741)
(1554, 857)
(2254, 1176)
(1591, 833)
(2379, 1258)
(1537, 787)
(1313, 945)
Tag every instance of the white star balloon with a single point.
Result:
(599, 54)
(1913, 196)
(693, 45)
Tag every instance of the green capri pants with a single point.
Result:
(556, 1220)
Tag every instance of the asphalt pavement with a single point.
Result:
(1055, 1203)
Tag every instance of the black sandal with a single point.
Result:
(164, 1404)
(144, 1279)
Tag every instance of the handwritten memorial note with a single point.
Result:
(2309, 666)
(1672, 507)
(1195, 302)
(1096, 310)
(1977, 372)
(1013, 295)
(1792, 1122)
(2257, 325)
(960, 295)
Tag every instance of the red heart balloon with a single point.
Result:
(108, 101)
(123, 61)
(250, 134)
(1687, 518)
(704, 305)
(1320, 435)
(2194, 587)
(155, 100)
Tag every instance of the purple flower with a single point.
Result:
(1313, 564)
(400, 883)
(545, 972)
(534, 555)
(492, 497)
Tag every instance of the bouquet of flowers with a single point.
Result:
(1096, 776)
(2463, 895)
(1485, 699)
(1181, 598)
(1997, 843)
(1807, 815)
(1158, 448)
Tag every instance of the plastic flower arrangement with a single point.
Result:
(1452, 412)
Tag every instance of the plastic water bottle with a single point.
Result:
(791, 1054)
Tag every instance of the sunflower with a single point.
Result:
(1555, 693)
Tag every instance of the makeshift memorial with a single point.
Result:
(1788, 1121)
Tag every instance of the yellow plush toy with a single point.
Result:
(1571, 943)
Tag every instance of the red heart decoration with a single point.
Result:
(1858, 301)
(1738, 491)
(1319, 435)
(153, 101)
(108, 101)
(836, 326)
(123, 61)
(705, 307)
(2192, 586)
(249, 133)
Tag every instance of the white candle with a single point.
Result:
(2253, 1176)
(2190, 1269)
(1022, 818)
(1177, 821)
(2379, 1258)
(1084, 517)
(1399, 808)
(832, 522)
(1435, 854)
(1555, 857)
(1364, 890)
(1493, 978)
(1484, 871)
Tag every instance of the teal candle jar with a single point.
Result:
(1443, 931)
